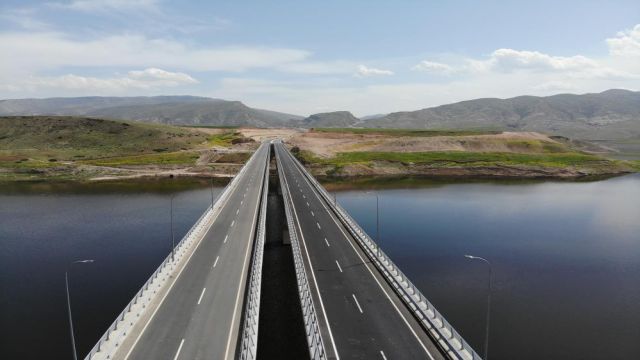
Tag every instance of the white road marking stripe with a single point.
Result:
(233, 222)
(382, 354)
(241, 202)
(179, 348)
(357, 303)
(237, 211)
(368, 268)
(216, 262)
(225, 239)
(304, 196)
(201, 295)
(339, 268)
(325, 240)
(313, 275)
(312, 214)
(307, 203)
(318, 225)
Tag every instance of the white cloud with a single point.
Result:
(434, 67)
(364, 71)
(626, 43)
(151, 78)
(509, 60)
(161, 76)
(106, 5)
(23, 53)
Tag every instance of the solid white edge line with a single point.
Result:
(201, 295)
(179, 348)
(313, 275)
(339, 268)
(357, 303)
(366, 263)
(144, 328)
(244, 265)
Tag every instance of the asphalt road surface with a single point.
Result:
(360, 315)
(201, 314)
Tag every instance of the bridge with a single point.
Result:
(203, 301)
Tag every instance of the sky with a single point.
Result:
(304, 57)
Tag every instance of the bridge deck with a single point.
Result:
(201, 314)
(360, 315)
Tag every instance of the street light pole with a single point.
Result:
(66, 281)
(173, 245)
(486, 338)
(211, 192)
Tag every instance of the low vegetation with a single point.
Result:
(173, 158)
(225, 139)
(406, 132)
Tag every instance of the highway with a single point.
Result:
(200, 317)
(360, 315)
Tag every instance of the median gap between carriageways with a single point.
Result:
(281, 332)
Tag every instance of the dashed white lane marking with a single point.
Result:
(237, 211)
(201, 295)
(339, 268)
(312, 214)
(382, 354)
(318, 225)
(241, 202)
(233, 222)
(179, 348)
(225, 239)
(304, 196)
(307, 203)
(327, 241)
(357, 303)
(216, 262)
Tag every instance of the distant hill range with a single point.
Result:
(176, 110)
(610, 115)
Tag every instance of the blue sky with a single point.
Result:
(312, 56)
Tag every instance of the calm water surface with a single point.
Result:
(566, 259)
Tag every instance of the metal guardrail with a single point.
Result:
(312, 327)
(125, 321)
(449, 340)
(249, 343)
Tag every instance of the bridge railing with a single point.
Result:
(249, 341)
(312, 327)
(116, 333)
(449, 340)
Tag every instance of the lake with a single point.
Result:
(565, 256)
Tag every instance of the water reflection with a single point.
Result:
(566, 255)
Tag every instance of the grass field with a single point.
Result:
(463, 159)
(225, 139)
(72, 138)
(406, 132)
(173, 158)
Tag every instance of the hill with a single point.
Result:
(612, 115)
(175, 110)
(338, 119)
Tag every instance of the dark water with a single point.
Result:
(565, 256)
(124, 227)
(566, 259)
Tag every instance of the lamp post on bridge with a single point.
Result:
(173, 242)
(486, 338)
(66, 280)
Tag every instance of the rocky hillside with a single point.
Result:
(338, 119)
(613, 114)
(175, 110)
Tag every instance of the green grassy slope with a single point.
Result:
(37, 139)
